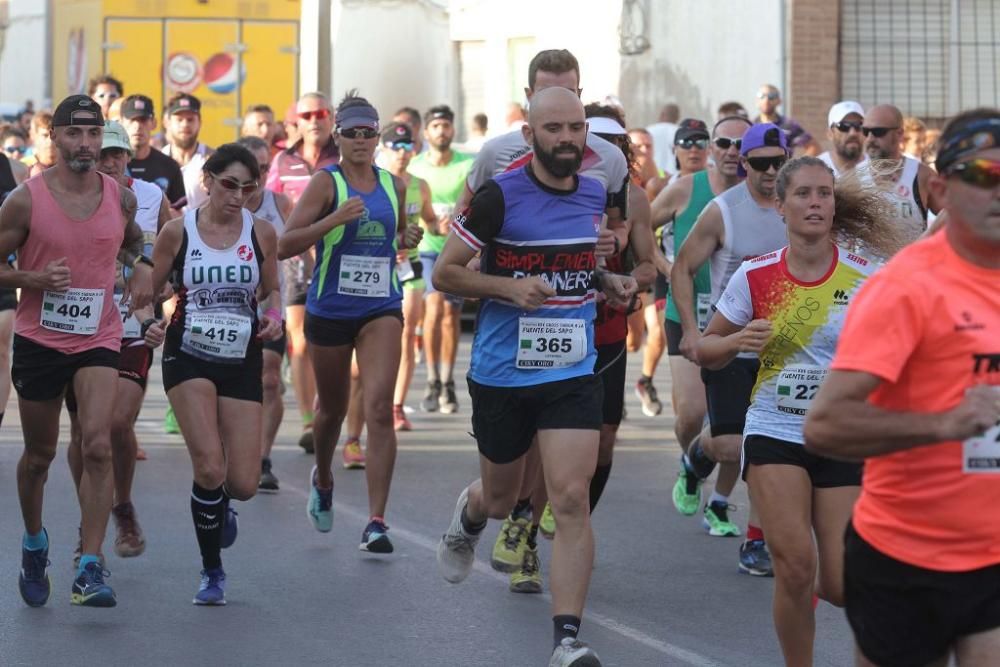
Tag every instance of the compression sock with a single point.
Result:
(208, 509)
(597, 484)
(432, 373)
(564, 625)
(701, 465)
(446, 370)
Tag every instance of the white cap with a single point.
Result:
(841, 110)
(603, 125)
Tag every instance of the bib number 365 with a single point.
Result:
(550, 342)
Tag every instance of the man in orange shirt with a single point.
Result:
(915, 390)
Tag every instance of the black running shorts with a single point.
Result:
(727, 393)
(824, 473)
(610, 367)
(332, 333)
(241, 381)
(40, 373)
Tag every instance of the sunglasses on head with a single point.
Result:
(846, 126)
(762, 164)
(692, 143)
(358, 133)
(879, 132)
(725, 143)
(319, 114)
(398, 146)
(232, 184)
(981, 173)
(20, 150)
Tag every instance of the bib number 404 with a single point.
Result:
(73, 310)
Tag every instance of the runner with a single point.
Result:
(355, 215)
(914, 390)
(147, 164)
(799, 140)
(43, 149)
(275, 209)
(12, 174)
(650, 177)
(104, 90)
(313, 150)
(445, 171)
(844, 124)
(788, 307)
(411, 117)
(258, 122)
(223, 264)
(739, 224)
(182, 122)
(679, 206)
(68, 225)
(13, 146)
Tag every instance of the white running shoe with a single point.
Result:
(573, 653)
(456, 552)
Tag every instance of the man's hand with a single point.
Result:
(138, 292)
(978, 412)
(155, 334)
(412, 236)
(754, 336)
(54, 277)
(618, 289)
(689, 346)
(529, 293)
(605, 243)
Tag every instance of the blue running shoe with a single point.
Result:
(755, 559)
(375, 539)
(320, 505)
(89, 589)
(33, 580)
(230, 527)
(212, 591)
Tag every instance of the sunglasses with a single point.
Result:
(319, 114)
(20, 150)
(358, 133)
(846, 126)
(724, 143)
(762, 164)
(767, 96)
(398, 146)
(692, 143)
(232, 185)
(981, 173)
(879, 132)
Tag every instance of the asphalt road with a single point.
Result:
(663, 591)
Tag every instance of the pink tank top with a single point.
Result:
(86, 317)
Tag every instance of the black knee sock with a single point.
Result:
(564, 626)
(208, 508)
(468, 526)
(701, 465)
(597, 484)
(522, 510)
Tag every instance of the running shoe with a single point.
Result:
(170, 424)
(140, 454)
(528, 577)
(33, 579)
(755, 559)
(212, 591)
(572, 652)
(89, 589)
(547, 524)
(456, 552)
(650, 400)
(399, 419)
(320, 505)
(354, 456)
(432, 397)
(129, 541)
(508, 550)
(306, 440)
(448, 401)
(230, 527)
(716, 521)
(687, 491)
(268, 481)
(375, 539)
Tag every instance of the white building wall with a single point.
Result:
(22, 59)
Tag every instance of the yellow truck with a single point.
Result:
(228, 53)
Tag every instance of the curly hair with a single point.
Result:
(622, 141)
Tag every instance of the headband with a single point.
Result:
(972, 138)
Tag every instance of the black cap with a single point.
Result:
(691, 128)
(138, 106)
(396, 133)
(77, 110)
(183, 102)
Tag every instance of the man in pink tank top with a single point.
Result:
(68, 226)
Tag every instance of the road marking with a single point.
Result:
(666, 448)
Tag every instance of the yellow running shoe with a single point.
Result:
(528, 577)
(547, 525)
(508, 550)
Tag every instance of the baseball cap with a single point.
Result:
(759, 136)
(841, 110)
(115, 137)
(184, 102)
(77, 110)
(396, 133)
(691, 128)
(138, 106)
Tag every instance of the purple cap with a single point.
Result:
(760, 136)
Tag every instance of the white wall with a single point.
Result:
(22, 61)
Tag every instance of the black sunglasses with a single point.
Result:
(358, 133)
(846, 126)
(762, 164)
(692, 143)
(725, 142)
(879, 132)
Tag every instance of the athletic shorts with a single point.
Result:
(40, 373)
(674, 335)
(907, 616)
(727, 393)
(280, 345)
(660, 288)
(332, 333)
(505, 419)
(8, 298)
(134, 362)
(428, 260)
(824, 473)
(241, 381)
(610, 367)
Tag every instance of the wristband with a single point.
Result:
(273, 314)
(142, 259)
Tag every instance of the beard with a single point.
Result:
(441, 143)
(849, 151)
(185, 143)
(78, 163)
(559, 167)
(878, 153)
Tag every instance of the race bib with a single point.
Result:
(550, 342)
(220, 334)
(75, 311)
(797, 387)
(364, 276)
(404, 270)
(133, 328)
(703, 310)
(982, 453)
